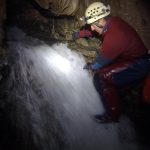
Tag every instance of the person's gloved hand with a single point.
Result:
(75, 35)
(96, 66)
(87, 66)
(92, 66)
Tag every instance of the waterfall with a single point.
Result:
(52, 100)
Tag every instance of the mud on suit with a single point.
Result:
(122, 61)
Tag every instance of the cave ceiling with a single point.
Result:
(65, 7)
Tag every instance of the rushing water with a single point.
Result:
(53, 100)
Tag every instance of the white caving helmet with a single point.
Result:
(96, 11)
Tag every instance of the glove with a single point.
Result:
(87, 66)
(92, 66)
(75, 35)
(96, 66)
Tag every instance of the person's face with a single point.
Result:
(98, 25)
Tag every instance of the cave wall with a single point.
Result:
(136, 13)
(2, 24)
(2, 19)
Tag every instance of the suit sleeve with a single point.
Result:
(85, 33)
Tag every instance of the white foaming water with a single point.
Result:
(66, 87)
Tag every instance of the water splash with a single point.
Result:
(55, 100)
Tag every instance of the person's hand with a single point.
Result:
(92, 66)
(87, 66)
(75, 35)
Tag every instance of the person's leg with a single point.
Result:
(110, 99)
(109, 79)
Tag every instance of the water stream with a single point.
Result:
(53, 100)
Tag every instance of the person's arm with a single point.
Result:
(100, 62)
(111, 49)
(82, 34)
(85, 33)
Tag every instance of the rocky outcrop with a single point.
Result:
(65, 7)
